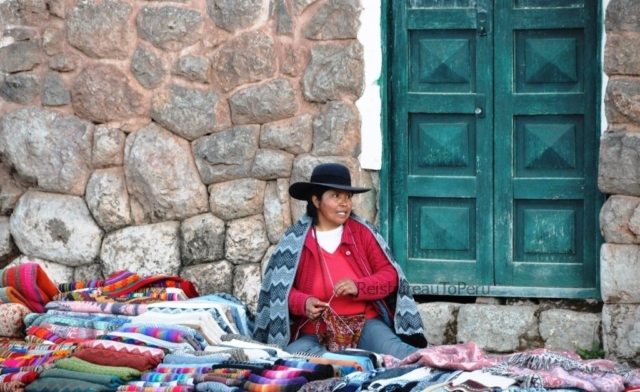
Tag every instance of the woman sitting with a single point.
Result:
(332, 282)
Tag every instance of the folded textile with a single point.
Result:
(106, 357)
(51, 384)
(25, 377)
(123, 282)
(79, 365)
(33, 282)
(216, 387)
(9, 295)
(97, 307)
(156, 377)
(131, 388)
(11, 316)
(109, 381)
(124, 347)
(12, 386)
(166, 333)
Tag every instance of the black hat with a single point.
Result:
(330, 175)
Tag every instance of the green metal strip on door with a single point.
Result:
(506, 197)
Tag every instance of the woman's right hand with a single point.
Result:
(314, 307)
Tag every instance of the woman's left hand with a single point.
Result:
(345, 287)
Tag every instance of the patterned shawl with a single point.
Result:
(272, 318)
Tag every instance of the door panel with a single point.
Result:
(545, 144)
(444, 211)
(504, 198)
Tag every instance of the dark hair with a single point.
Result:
(312, 211)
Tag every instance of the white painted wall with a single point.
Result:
(370, 104)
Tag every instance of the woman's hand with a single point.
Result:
(345, 287)
(314, 307)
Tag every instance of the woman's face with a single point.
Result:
(333, 209)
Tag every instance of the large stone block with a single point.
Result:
(563, 329)
(620, 332)
(271, 164)
(8, 249)
(87, 272)
(108, 146)
(64, 62)
(190, 112)
(20, 88)
(335, 19)
(620, 220)
(147, 67)
(623, 15)
(202, 239)
(237, 198)
(277, 211)
(48, 149)
(108, 199)
(226, 155)
(271, 101)
(194, 68)
(294, 135)
(321, 82)
(246, 240)
(246, 284)
(162, 176)
(500, 329)
(440, 322)
(619, 168)
(622, 54)
(233, 15)
(619, 267)
(247, 58)
(103, 93)
(622, 100)
(299, 6)
(56, 227)
(170, 28)
(20, 56)
(10, 191)
(279, 13)
(336, 130)
(210, 278)
(54, 91)
(147, 250)
(101, 30)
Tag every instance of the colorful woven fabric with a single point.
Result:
(104, 357)
(9, 295)
(200, 378)
(167, 334)
(11, 316)
(83, 284)
(25, 377)
(158, 377)
(12, 386)
(79, 365)
(216, 387)
(123, 282)
(33, 282)
(97, 307)
(74, 333)
(64, 385)
(130, 388)
(124, 348)
(182, 369)
(111, 382)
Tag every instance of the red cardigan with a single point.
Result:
(361, 249)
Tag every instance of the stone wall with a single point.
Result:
(619, 176)
(161, 137)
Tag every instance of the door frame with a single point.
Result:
(384, 195)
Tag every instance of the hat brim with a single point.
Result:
(301, 190)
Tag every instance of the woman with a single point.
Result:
(334, 276)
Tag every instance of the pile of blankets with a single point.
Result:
(131, 332)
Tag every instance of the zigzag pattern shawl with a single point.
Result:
(272, 318)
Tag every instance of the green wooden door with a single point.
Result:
(492, 144)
